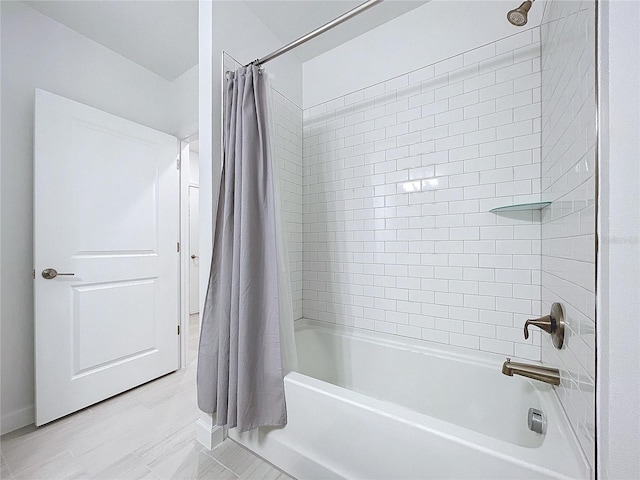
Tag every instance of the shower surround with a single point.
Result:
(398, 182)
(387, 191)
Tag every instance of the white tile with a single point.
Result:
(409, 115)
(479, 109)
(421, 99)
(422, 74)
(463, 100)
(516, 129)
(396, 83)
(529, 352)
(526, 112)
(463, 126)
(515, 100)
(435, 335)
(480, 136)
(448, 65)
(497, 346)
(354, 97)
(498, 90)
(334, 104)
(434, 107)
(447, 91)
(514, 42)
(499, 61)
(478, 54)
(514, 71)
(479, 329)
(496, 147)
(409, 331)
(435, 82)
(374, 91)
(479, 82)
(400, 105)
(421, 123)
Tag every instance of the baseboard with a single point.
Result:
(209, 435)
(17, 419)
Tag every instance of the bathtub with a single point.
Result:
(367, 406)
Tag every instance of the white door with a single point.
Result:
(106, 211)
(194, 260)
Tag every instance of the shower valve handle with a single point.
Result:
(553, 324)
(545, 323)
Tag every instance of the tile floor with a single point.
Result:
(145, 433)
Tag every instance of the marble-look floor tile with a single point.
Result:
(263, 471)
(128, 429)
(147, 428)
(158, 391)
(159, 448)
(60, 467)
(234, 457)
(127, 468)
(5, 471)
(34, 448)
(145, 433)
(190, 461)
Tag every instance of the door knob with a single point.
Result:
(194, 256)
(50, 273)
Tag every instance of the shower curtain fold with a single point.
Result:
(240, 367)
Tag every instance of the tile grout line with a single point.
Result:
(6, 463)
(207, 453)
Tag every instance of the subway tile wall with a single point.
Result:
(568, 180)
(287, 136)
(398, 182)
(287, 120)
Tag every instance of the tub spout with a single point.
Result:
(536, 372)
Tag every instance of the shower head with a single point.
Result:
(518, 17)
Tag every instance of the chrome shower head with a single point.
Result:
(518, 17)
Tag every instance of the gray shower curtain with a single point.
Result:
(240, 371)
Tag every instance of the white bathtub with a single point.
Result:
(366, 406)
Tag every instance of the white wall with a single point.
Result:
(194, 168)
(207, 95)
(439, 29)
(183, 97)
(619, 241)
(40, 53)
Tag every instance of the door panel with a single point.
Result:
(120, 219)
(106, 210)
(131, 318)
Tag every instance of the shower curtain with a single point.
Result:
(246, 343)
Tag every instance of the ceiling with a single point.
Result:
(289, 20)
(162, 36)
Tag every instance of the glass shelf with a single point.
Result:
(521, 207)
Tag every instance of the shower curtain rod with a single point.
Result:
(318, 31)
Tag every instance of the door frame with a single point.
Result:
(191, 186)
(185, 185)
(184, 253)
